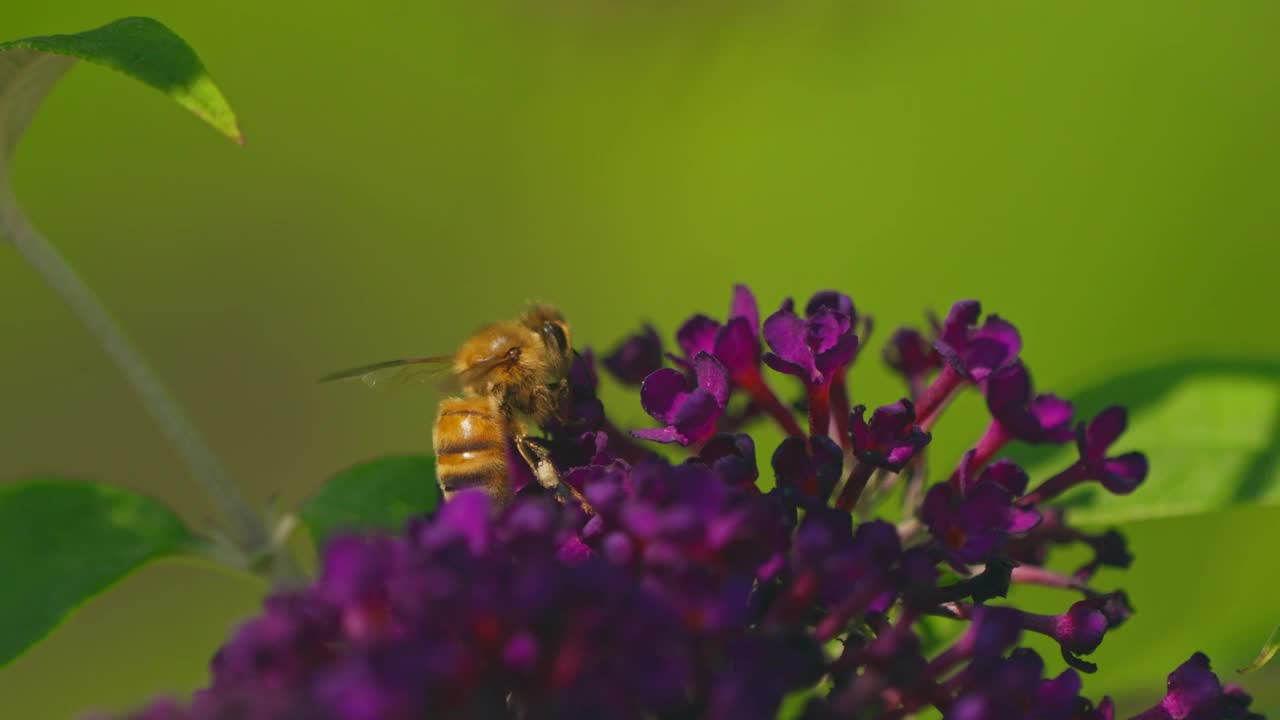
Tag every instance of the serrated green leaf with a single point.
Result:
(1269, 650)
(141, 48)
(377, 495)
(1210, 428)
(64, 541)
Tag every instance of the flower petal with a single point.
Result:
(744, 306)
(712, 377)
(787, 334)
(696, 417)
(697, 334)
(738, 347)
(1103, 430)
(1124, 473)
(662, 393)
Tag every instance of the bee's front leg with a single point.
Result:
(536, 453)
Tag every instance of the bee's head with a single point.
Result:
(551, 326)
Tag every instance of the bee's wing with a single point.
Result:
(395, 374)
(478, 369)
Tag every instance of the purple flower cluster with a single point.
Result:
(693, 589)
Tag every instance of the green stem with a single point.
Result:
(247, 527)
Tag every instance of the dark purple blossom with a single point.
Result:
(971, 528)
(733, 458)
(736, 344)
(1194, 693)
(976, 352)
(636, 357)
(891, 439)
(1044, 418)
(971, 353)
(1121, 474)
(1018, 415)
(689, 411)
(809, 468)
(649, 588)
(888, 442)
(913, 356)
(817, 348)
(1015, 688)
(1079, 631)
(811, 348)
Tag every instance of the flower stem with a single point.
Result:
(937, 395)
(247, 527)
(854, 485)
(840, 410)
(754, 384)
(1033, 575)
(992, 442)
(1055, 485)
(819, 408)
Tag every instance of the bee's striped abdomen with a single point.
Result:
(470, 445)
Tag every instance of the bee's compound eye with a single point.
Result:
(553, 331)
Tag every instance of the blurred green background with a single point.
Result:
(1104, 174)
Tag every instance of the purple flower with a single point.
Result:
(758, 671)
(818, 349)
(678, 589)
(1044, 418)
(913, 356)
(1079, 631)
(733, 458)
(971, 524)
(688, 411)
(808, 467)
(971, 353)
(977, 352)
(1121, 474)
(636, 357)
(736, 344)
(1194, 693)
(891, 439)
(1014, 688)
(811, 348)
(696, 335)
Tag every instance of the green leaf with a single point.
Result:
(378, 495)
(64, 541)
(1210, 428)
(1269, 650)
(138, 47)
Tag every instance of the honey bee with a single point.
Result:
(505, 371)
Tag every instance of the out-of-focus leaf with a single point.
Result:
(381, 494)
(1210, 428)
(1269, 650)
(138, 47)
(63, 541)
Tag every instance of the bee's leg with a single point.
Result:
(536, 453)
(538, 456)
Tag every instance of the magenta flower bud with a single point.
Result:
(891, 439)
(976, 352)
(636, 357)
(1120, 474)
(912, 355)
